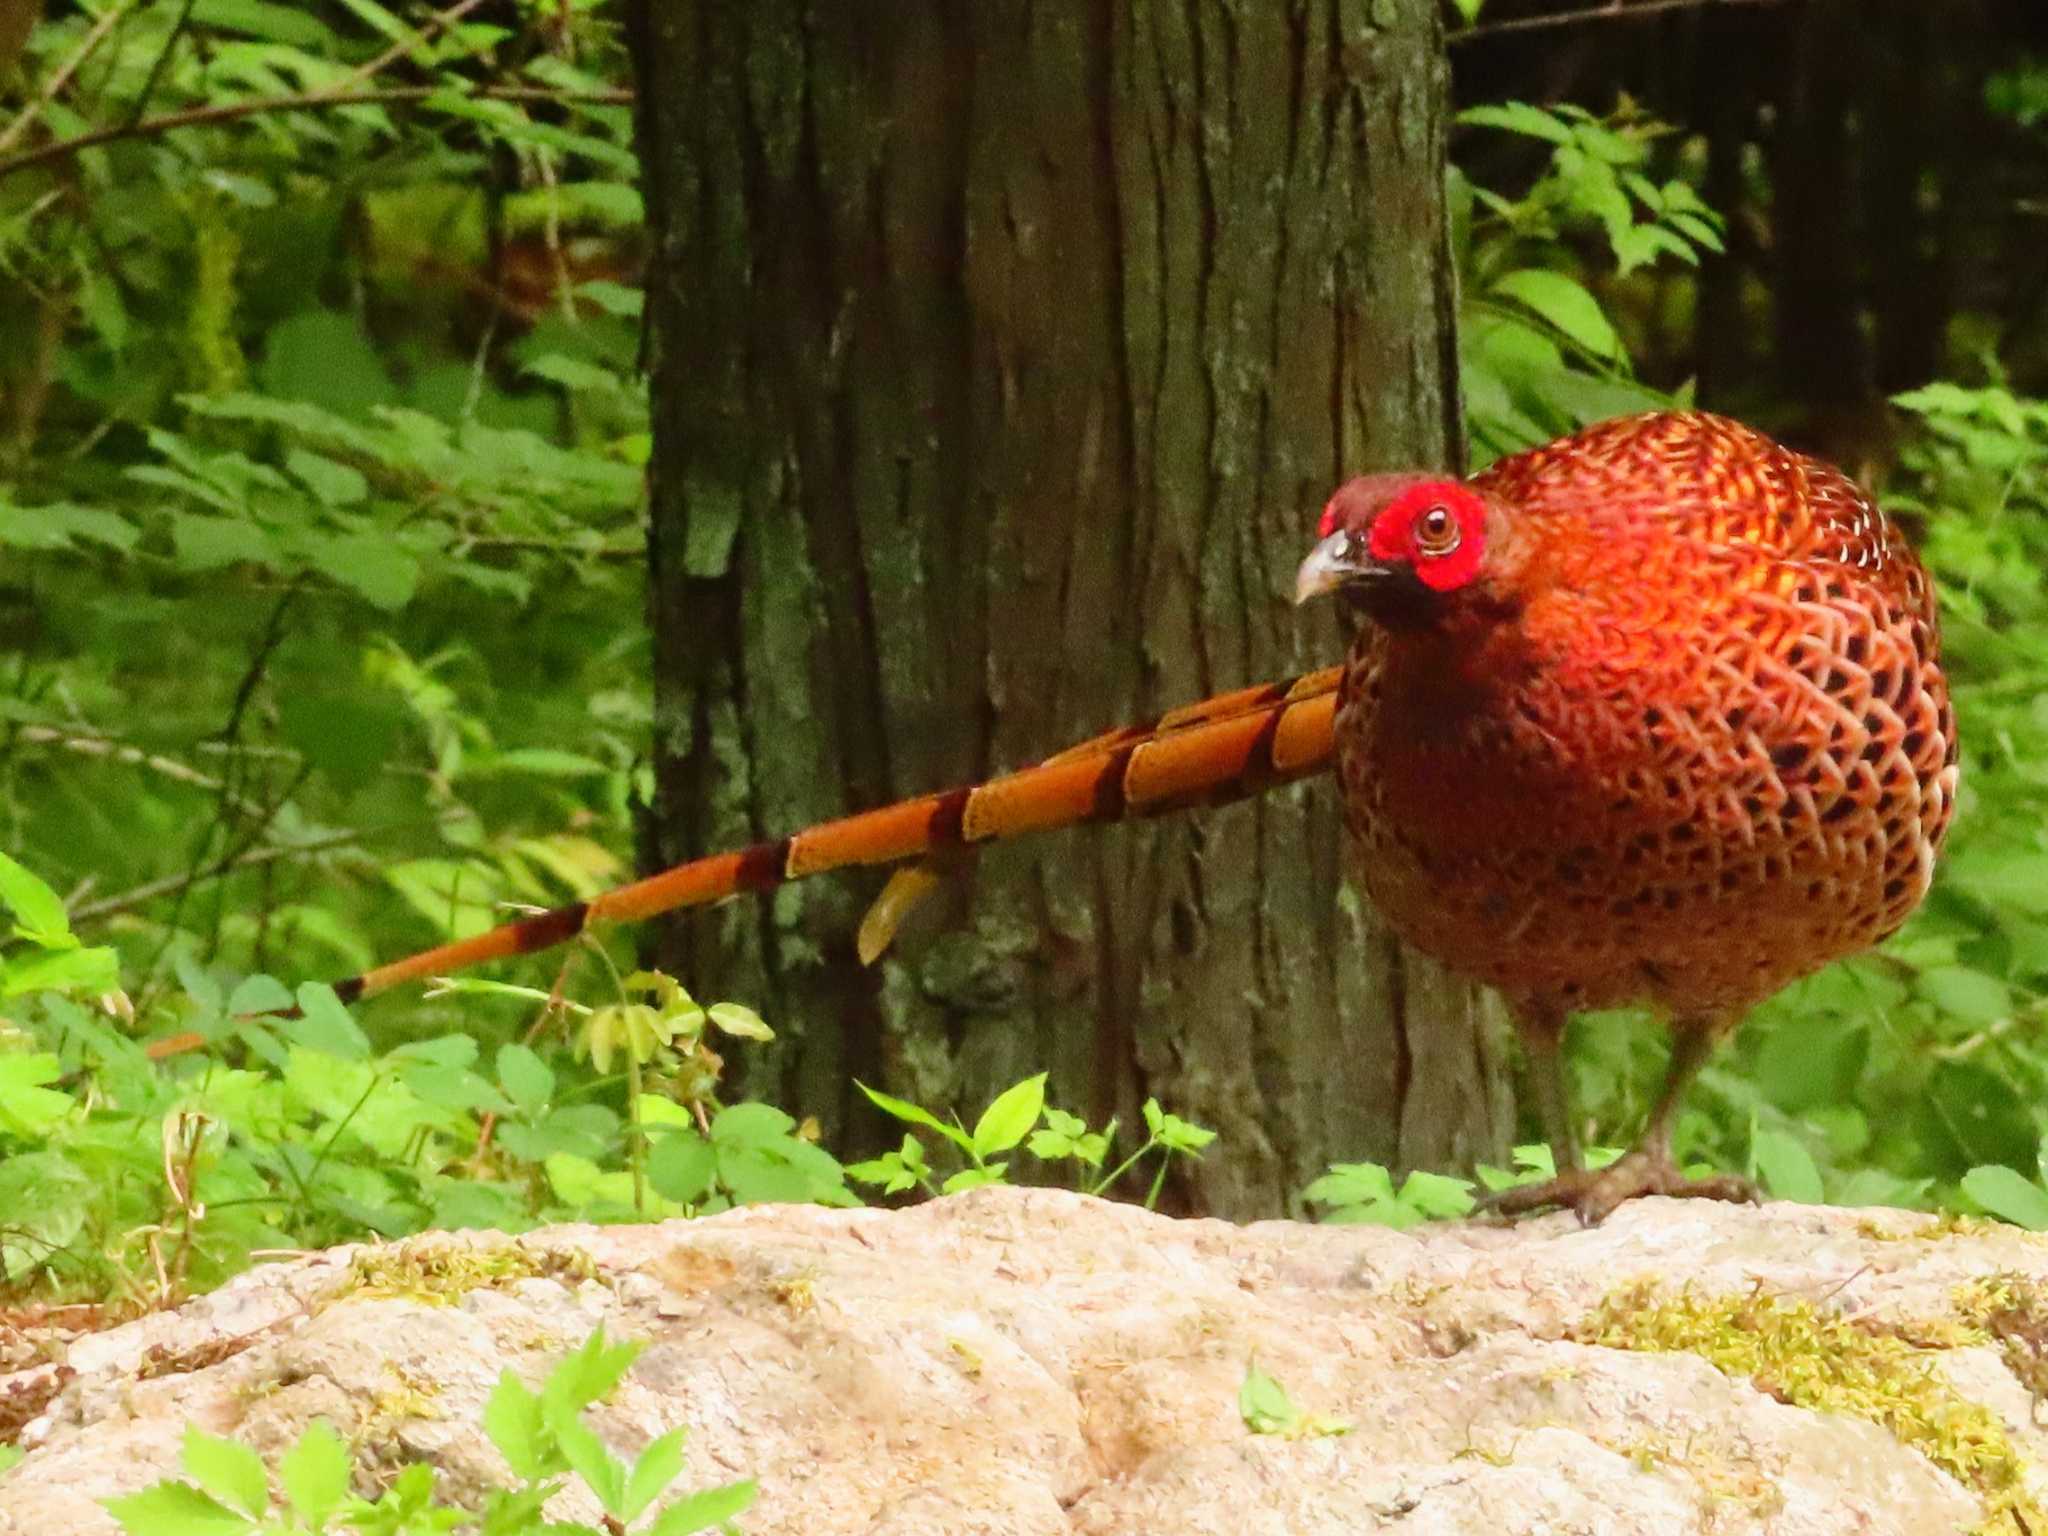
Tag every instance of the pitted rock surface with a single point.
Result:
(1026, 1361)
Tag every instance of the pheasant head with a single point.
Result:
(1411, 550)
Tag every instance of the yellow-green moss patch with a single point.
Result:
(2012, 1310)
(1813, 1359)
(441, 1272)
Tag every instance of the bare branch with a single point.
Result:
(439, 22)
(1614, 10)
(61, 77)
(223, 112)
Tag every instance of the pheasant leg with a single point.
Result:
(1543, 1038)
(1648, 1167)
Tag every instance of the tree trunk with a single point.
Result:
(1001, 356)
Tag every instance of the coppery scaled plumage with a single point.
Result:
(1652, 714)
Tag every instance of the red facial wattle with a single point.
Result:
(1394, 537)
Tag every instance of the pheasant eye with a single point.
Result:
(1436, 531)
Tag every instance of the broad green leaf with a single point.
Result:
(701, 1511)
(39, 915)
(208, 543)
(89, 972)
(371, 565)
(1264, 1405)
(175, 1509)
(260, 994)
(526, 1079)
(326, 1025)
(1518, 117)
(315, 1473)
(2008, 1195)
(911, 1114)
(655, 1468)
(683, 1166)
(335, 483)
(739, 1021)
(273, 23)
(1565, 304)
(1786, 1167)
(228, 1470)
(512, 1419)
(1010, 1117)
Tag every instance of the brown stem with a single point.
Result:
(1614, 10)
(223, 112)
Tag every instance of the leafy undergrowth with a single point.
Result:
(542, 1436)
(142, 1180)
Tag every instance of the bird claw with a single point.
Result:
(1594, 1194)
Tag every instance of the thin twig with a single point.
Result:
(161, 63)
(11, 134)
(248, 858)
(439, 22)
(229, 111)
(1614, 10)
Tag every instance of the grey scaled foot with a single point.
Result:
(1595, 1194)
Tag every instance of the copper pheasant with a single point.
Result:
(1652, 714)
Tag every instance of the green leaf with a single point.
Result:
(1351, 1184)
(47, 1198)
(1010, 1117)
(527, 1080)
(2008, 1195)
(1517, 117)
(512, 1419)
(701, 1511)
(740, 1022)
(209, 543)
(334, 483)
(1566, 305)
(1786, 1167)
(1264, 1405)
(1968, 1114)
(59, 525)
(586, 1374)
(1436, 1195)
(683, 1166)
(2000, 878)
(911, 1114)
(1969, 997)
(228, 1470)
(750, 1125)
(654, 1469)
(976, 1178)
(174, 1509)
(39, 915)
(269, 22)
(325, 1024)
(590, 1460)
(368, 564)
(315, 1473)
(83, 972)
(27, 1108)
(260, 994)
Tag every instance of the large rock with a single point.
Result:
(1029, 1361)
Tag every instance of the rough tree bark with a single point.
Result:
(1001, 353)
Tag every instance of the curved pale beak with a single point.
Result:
(1338, 560)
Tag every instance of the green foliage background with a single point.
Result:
(321, 637)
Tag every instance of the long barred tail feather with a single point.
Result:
(1222, 749)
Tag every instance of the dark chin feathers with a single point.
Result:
(1397, 600)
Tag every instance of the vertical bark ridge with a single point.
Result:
(1009, 346)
